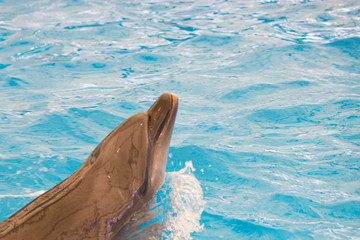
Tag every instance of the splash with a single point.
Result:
(174, 213)
(187, 204)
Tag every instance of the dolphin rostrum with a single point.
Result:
(119, 177)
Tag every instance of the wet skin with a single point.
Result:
(119, 177)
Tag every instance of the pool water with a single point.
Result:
(267, 138)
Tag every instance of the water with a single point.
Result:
(269, 107)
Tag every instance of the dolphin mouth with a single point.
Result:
(162, 118)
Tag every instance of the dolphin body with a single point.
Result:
(119, 177)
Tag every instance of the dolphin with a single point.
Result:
(117, 180)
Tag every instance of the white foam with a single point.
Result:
(174, 213)
(187, 203)
(34, 194)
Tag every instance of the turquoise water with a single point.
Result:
(269, 107)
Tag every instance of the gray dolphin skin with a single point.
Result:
(119, 177)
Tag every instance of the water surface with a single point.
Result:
(269, 106)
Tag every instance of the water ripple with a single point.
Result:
(269, 103)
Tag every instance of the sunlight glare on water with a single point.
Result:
(268, 115)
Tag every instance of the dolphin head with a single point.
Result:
(129, 164)
(134, 154)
